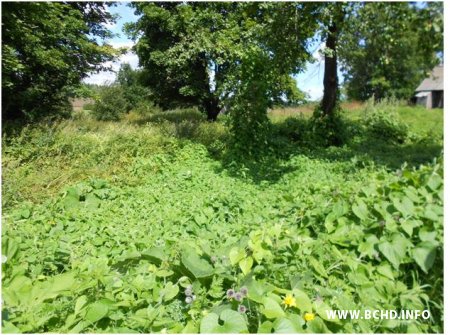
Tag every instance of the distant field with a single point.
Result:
(418, 118)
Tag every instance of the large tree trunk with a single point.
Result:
(212, 108)
(330, 79)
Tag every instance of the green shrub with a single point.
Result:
(89, 106)
(329, 129)
(293, 128)
(382, 121)
(111, 104)
(146, 108)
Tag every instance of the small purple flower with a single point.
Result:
(188, 300)
(242, 309)
(244, 291)
(230, 293)
(238, 297)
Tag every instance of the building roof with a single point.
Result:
(435, 82)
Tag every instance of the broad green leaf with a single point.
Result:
(272, 309)
(190, 328)
(360, 209)
(246, 265)
(96, 311)
(405, 206)
(385, 270)
(199, 267)
(80, 303)
(395, 250)
(424, 255)
(318, 267)
(236, 255)
(409, 225)
(368, 246)
(303, 301)
(317, 326)
(265, 328)
(9, 328)
(170, 291)
(230, 322)
(289, 325)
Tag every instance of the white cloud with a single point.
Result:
(106, 77)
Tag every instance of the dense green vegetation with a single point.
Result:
(387, 50)
(151, 211)
(47, 49)
(144, 225)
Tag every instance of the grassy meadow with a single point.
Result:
(150, 225)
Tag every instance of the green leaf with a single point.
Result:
(265, 328)
(236, 255)
(318, 267)
(303, 301)
(409, 225)
(317, 326)
(385, 270)
(170, 291)
(246, 265)
(321, 309)
(290, 325)
(272, 309)
(96, 311)
(80, 303)
(368, 246)
(199, 267)
(232, 322)
(395, 250)
(360, 209)
(424, 255)
(405, 206)
(9, 328)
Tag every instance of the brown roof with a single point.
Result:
(435, 82)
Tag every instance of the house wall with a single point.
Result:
(425, 101)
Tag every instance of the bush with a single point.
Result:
(146, 108)
(111, 104)
(293, 128)
(382, 121)
(329, 130)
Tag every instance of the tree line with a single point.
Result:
(211, 55)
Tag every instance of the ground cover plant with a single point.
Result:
(150, 224)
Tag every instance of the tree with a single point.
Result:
(194, 52)
(387, 49)
(211, 54)
(47, 48)
(334, 18)
(131, 82)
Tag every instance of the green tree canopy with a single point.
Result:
(207, 54)
(47, 49)
(387, 49)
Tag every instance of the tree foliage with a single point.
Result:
(386, 50)
(47, 48)
(211, 54)
(131, 82)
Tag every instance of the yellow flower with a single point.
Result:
(289, 301)
(309, 316)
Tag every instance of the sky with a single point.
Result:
(309, 81)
